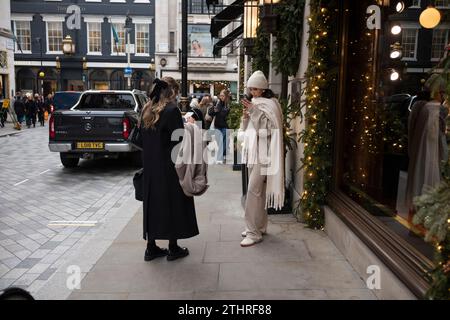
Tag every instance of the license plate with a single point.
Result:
(90, 145)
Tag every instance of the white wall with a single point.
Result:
(293, 162)
(5, 22)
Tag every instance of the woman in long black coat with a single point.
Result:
(168, 213)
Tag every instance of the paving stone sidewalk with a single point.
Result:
(8, 129)
(292, 262)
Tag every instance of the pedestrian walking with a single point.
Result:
(205, 105)
(168, 213)
(48, 103)
(30, 110)
(263, 152)
(219, 114)
(19, 107)
(40, 106)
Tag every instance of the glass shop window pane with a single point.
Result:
(396, 136)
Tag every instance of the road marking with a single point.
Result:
(73, 223)
(21, 182)
(44, 171)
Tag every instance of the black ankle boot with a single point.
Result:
(155, 252)
(177, 253)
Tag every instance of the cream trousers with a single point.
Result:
(255, 213)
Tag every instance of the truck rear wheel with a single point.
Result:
(68, 162)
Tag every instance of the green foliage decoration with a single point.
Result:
(317, 136)
(261, 51)
(285, 57)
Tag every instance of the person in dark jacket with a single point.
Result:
(19, 107)
(220, 113)
(168, 213)
(30, 111)
(40, 108)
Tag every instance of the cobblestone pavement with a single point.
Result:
(35, 189)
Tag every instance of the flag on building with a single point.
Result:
(115, 35)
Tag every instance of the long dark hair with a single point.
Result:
(268, 93)
(161, 95)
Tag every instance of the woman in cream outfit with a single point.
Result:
(263, 152)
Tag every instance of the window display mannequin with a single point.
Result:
(424, 141)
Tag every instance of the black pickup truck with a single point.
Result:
(98, 126)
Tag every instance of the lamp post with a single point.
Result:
(251, 22)
(41, 73)
(128, 28)
(184, 100)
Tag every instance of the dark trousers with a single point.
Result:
(31, 119)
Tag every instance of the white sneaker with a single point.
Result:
(244, 233)
(247, 242)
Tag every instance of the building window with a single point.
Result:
(172, 41)
(200, 7)
(440, 40)
(94, 37)
(142, 39)
(54, 36)
(23, 34)
(409, 43)
(442, 3)
(118, 38)
(416, 3)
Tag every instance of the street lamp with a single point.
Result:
(184, 100)
(251, 22)
(41, 73)
(128, 27)
(68, 45)
(269, 19)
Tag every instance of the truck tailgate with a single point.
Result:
(78, 125)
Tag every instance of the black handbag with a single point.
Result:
(138, 182)
(135, 137)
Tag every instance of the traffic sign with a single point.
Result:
(127, 72)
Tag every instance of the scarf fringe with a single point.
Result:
(275, 201)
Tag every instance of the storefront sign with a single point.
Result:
(374, 20)
(74, 20)
(9, 44)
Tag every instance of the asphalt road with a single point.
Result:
(48, 211)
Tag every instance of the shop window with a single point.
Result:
(142, 39)
(94, 37)
(409, 43)
(442, 3)
(54, 37)
(23, 34)
(395, 138)
(118, 38)
(440, 40)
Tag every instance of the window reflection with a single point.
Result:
(396, 117)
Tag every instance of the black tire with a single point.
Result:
(67, 161)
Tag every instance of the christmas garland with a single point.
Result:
(317, 136)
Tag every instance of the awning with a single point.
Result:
(227, 39)
(227, 15)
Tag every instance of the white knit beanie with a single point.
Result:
(257, 80)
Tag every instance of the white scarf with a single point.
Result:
(272, 146)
